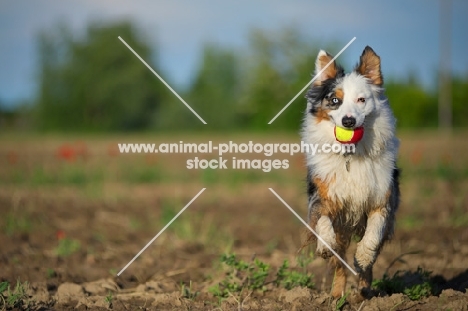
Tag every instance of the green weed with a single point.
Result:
(257, 276)
(16, 224)
(16, 298)
(415, 285)
(143, 174)
(241, 275)
(271, 246)
(50, 273)
(187, 291)
(459, 218)
(77, 174)
(67, 247)
(291, 278)
(410, 222)
(209, 176)
(135, 224)
(197, 227)
(341, 302)
(168, 211)
(109, 299)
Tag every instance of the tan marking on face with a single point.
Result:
(339, 94)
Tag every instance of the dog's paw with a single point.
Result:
(323, 251)
(358, 296)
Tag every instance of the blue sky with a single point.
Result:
(404, 33)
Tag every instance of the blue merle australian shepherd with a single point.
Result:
(351, 193)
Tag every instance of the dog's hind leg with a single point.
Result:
(339, 280)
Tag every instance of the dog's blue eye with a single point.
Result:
(335, 100)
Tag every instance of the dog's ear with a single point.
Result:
(322, 61)
(369, 66)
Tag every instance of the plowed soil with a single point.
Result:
(107, 206)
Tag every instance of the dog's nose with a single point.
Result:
(348, 121)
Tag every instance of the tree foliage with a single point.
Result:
(245, 89)
(95, 83)
(215, 90)
(412, 105)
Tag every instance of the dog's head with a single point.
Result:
(345, 99)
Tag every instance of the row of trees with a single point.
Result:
(94, 83)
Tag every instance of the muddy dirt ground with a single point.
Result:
(74, 212)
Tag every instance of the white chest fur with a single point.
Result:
(365, 184)
(367, 180)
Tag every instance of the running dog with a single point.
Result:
(351, 193)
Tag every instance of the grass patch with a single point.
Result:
(195, 227)
(441, 171)
(67, 247)
(52, 173)
(109, 299)
(410, 222)
(77, 174)
(256, 275)
(16, 298)
(459, 220)
(459, 217)
(340, 303)
(416, 285)
(187, 292)
(50, 273)
(14, 224)
(142, 174)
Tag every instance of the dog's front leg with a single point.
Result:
(369, 247)
(325, 230)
